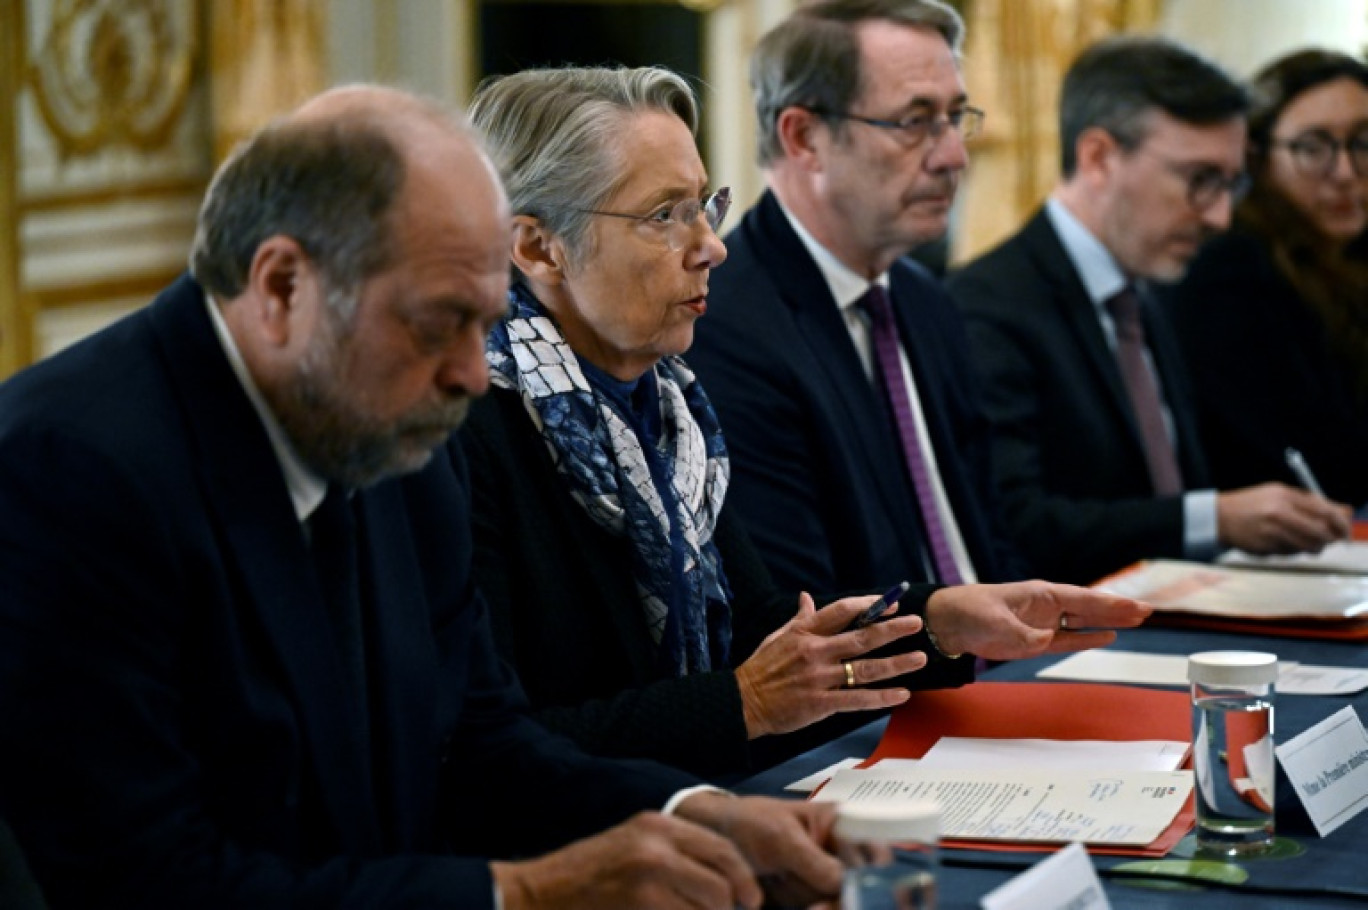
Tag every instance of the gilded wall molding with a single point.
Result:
(16, 335)
(143, 287)
(172, 188)
(265, 58)
(114, 72)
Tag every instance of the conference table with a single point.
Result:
(1339, 860)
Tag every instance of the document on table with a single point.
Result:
(973, 754)
(1191, 587)
(1126, 808)
(1106, 665)
(1346, 556)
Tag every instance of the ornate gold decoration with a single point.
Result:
(1018, 53)
(265, 58)
(113, 72)
(16, 333)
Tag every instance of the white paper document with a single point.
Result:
(1106, 665)
(1308, 679)
(1192, 587)
(973, 754)
(816, 779)
(1126, 808)
(1349, 557)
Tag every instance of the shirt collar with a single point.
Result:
(847, 286)
(1101, 276)
(306, 488)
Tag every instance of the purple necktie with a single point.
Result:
(1144, 393)
(885, 336)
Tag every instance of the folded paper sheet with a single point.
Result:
(1022, 710)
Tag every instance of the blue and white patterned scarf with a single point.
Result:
(600, 457)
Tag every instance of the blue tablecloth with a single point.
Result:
(1338, 860)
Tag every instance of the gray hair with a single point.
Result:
(1118, 83)
(812, 59)
(329, 182)
(553, 134)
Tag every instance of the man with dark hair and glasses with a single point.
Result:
(1096, 453)
(838, 366)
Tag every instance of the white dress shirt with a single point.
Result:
(307, 489)
(1102, 278)
(847, 287)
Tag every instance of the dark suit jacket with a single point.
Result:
(566, 614)
(1264, 374)
(1068, 458)
(173, 735)
(818, 473)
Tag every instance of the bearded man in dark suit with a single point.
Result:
(242, 661)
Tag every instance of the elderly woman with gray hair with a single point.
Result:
(636, 612)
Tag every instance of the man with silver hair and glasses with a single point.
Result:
(242, 659)
(838, 366)
(1096, 457)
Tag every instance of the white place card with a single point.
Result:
(1328, 767)
(1064, 881)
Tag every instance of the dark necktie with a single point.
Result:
(332, 529)
(889, 367)
(1144, 393)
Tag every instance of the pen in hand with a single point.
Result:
(1298, 465)
(877, 608)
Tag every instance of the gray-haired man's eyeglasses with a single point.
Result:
(916, 128)
(677, 221)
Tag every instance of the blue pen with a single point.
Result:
(877, 608)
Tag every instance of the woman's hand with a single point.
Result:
(807, 670)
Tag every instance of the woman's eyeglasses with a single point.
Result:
(677, 221)
(1315, 154)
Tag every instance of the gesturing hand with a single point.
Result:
(798, 675)
(1006, 622)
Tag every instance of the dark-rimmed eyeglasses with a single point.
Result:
(676, 222)
(1206, 183)
(917, 128)
(1315, 154)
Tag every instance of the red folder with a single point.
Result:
(1322, 629)
(1325, 630)
(1021, 710)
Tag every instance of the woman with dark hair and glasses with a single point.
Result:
(639, 617)
(1273, 316)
